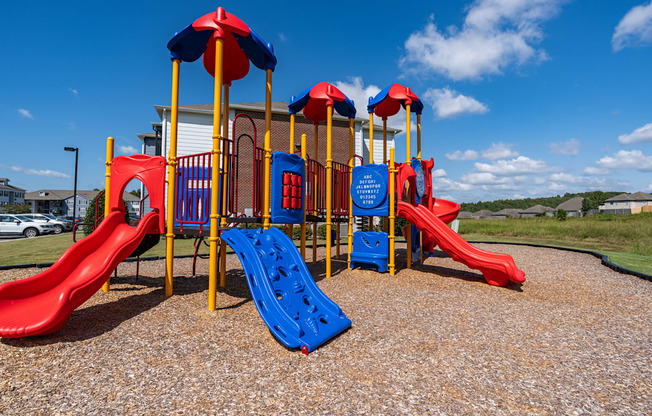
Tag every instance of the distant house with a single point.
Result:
(573, 206)
(10, 194)
(60, 202)
(464, 214)
(537, 209)
(627, 203)
(505, 213)
(482, 214)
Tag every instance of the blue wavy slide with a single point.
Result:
(291, 304)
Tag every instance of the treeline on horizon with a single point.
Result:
(591, 201)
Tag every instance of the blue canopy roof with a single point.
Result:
(416, 106)
(345, 108)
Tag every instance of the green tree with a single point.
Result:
(561, 214)
(135, 192)
(90, 212)
(18, 209)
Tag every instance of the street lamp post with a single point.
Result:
(74, 196)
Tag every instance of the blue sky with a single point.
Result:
(524, 98)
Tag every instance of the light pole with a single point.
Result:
(74, 196)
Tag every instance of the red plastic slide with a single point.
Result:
(41, 304)
(498, 268)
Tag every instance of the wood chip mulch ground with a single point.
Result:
(575, 339)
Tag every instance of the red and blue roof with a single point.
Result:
(241, 45)
(389, 101)
(313, 101)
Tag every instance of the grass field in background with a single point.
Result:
(625, 239)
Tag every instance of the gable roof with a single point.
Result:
(465, 214)
(537, 209)
(513, 212)
(483, 213)
(573, 204)
(61, 194)
(638, 196)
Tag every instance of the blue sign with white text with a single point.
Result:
(369, 191)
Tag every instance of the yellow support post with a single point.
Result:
(329, 185)
(419, 157)
(385, 156)
(225, 158)
(172, 172)
(371, 156)
(315, 199)
(392, 212)
(303, 224)
(107, 185)
(291, 226)
(407, 194)
(268, 149)
(215, 174)
(349, 241)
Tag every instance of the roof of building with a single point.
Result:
(537, 209)
(10, 187)
(638, 196)
(513, 212)
(61, 194)
(483, 213)
(278, 107)
(465, 214)
(573, 204)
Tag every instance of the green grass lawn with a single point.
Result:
(625, 239)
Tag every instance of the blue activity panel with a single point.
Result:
(420, 180)
(369, 190)
(288, 179)
(416, 243)
(193, 197)
(370, 249)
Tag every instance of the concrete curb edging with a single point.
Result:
(603, 257)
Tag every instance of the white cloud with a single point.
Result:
(439, 173)
(627, 159)
(37, 172)
(499, 151)
(567, 148)
(518, 166)
(282, 36)
(592, 170)
(73, 91)
(445, 184)
(127, 150)
(449, 103)
(462, 155)
(649, 188)
(635, 29)
(495, 35)
(25, 113)
(640, 135)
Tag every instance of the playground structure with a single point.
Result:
(202, 197)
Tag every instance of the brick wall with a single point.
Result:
(280, 142)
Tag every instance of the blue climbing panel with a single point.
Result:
(370, 249)
(296, 311)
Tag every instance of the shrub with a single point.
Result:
(18, 209)
(90, 212)
(561, 214)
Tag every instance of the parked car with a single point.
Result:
(18, 224)
(59, 225)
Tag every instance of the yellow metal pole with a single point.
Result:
(419, 157)
(172, 173)
(315, 199)
(107, 186)
(348, 191)
(329, 186)
(392, 212)
(268, 149)
(408, 157)
(371, 156)
(215, 174)
(303, 224)
(385, 225)
(291, 226)
(225, 158)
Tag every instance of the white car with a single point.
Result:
(18, 225)
(58, 225)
